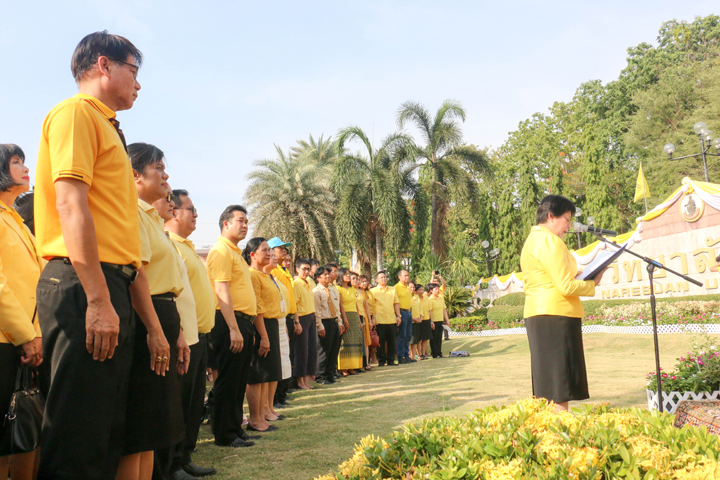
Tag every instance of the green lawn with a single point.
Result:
(324, 424)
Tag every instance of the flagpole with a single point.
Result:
(646, 209)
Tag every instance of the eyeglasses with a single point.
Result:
(132, 65)
(170, 198)
(305, 269)
(192, 210)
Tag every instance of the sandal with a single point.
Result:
(368, 368)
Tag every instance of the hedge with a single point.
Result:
(511, 299)
(529, 440)
(505, 316)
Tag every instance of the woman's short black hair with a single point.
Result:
(320, 271)
(252, 245)
(8, 151)
(144, 154)
(102, 44)
(557, 205)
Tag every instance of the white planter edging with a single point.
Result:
(643, 330)
(672, 399)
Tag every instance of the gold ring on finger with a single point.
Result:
(158, 359)
(164, 359)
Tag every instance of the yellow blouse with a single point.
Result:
(348, 296)
(305, 300)
(267, 295)
(371, 301)
(437, 309)
(417, 311)
(425, 304)
(549, 271)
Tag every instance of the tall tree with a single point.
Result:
(321, 151)
(444, 155)
(370, 187)
(292, 198)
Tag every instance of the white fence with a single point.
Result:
(644, 330)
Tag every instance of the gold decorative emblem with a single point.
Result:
(691, 207)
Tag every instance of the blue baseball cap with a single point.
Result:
(276, 242)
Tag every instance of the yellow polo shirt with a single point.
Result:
(348, 296)
(371, 301)
(79, 142)
(403, 292)
(157, 252)
(201, 288)
(416, 307)
(267, 294)
(425, 305)
(285, 294)
(385, 300)
(20, 270)
(304, 296)
(437, 309)
(185, 303)
(225, 264)
(284, 277)
(312, 282)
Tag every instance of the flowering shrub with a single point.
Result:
(698, 371)
(668, 313)
(529, 440)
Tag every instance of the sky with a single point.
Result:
(224, 82)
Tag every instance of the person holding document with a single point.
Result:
(553, 310)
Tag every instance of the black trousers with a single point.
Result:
(84, 425)
(193, 400)
(436, 340)
(386, 351)
(233, 370)
(331, 346)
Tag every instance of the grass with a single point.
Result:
(324, 424)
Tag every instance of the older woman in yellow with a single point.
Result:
(553, 311)
(20, 270)
(353, 341)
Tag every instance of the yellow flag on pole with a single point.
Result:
(641, 187)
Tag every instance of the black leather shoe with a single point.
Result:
(337, 375)
(392, 364)
(182, 475)
(412, 360)
(271, 428)
(278, 405)
(381, 364)
(357, 370)
(247, 437)
(198, 471)
(280, 417)
(237, 443)
(322, 381)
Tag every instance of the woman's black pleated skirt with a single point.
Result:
(268, 368)
(557, 358)
(154, 407)
(426, 330)
(415, 334)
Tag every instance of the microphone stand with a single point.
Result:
(651, 266)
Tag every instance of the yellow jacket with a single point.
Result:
(20, 270)
(549, 271)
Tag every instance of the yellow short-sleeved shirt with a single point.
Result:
(371, 301)
(304, 297)
(285, 294)
(79, 142)
(311, 282)
(425, 304)
(385, 300)
(199, 283)
(348, 297)
(186, 306)
(403, 292)
(284, 277)
(267, 294)
(225, 264)
(157, 252)
(437, 308)
(416, 307)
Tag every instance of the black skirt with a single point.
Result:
(415, 334)
(154, 409)
(426, 330)
(9, 364)
(557, 358)
(268, 368)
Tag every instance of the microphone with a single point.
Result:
(579, 227)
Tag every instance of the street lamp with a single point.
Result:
(707, 139)
(490, 256)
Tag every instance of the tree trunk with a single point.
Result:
(433, 222)
(378, 248)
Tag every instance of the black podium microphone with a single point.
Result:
(579, 227)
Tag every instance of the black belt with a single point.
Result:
(168, 297)
(244, 316)
(127, 271)
(406, 310)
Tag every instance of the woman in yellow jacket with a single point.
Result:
(553, 311)
(20, 269)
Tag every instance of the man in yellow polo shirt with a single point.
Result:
(405, 328)
(387, 318)
(305, 365)
(179, 228)
(232, 335)
(87, 226)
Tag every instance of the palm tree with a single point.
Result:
(444, 156)
(291, 198)
(370, 189)
(321, 152)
